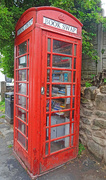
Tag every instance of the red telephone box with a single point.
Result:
(47, 88)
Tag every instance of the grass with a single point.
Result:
(2, 106)
(3, 116)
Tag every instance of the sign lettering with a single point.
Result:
(59, 25)
(23, 28)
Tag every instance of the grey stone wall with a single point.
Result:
(93, 121)
(89, 66)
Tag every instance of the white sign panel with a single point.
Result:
(23, 28)
(59, 25)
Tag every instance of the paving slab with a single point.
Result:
(84, 167)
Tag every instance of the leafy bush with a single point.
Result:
(81, 148)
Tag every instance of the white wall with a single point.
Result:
(2, 76)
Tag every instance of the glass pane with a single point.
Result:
(22, 75)
(47, 105)
(72, 115)
(27, 103)
(74, 63)
(60, 104)
(21, 88)
(73, 89)
(47, 120)
(72, 138)
(26, 144)
(48, 90)
(22, 61)
(27, 117)
(49, 45)
(23, 48)
(26, 131)
(28, 89)
(75, 47)
(73, 102)
(48, 60)
(48, 75)
(57, 119)
(28, 60)
(62, 47)
(61, 90)
(72, 128)
(62, 62)
(21, 127)
(21, 138)
(74, 73)
(60, 131)
(61, 76)
(21, 114)
(21, 101)
(28, 45)
(59, 144)
(47, 134)
(46, 151)
(28, 75)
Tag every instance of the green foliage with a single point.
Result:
(81, 148)
(105, 80)
(10, 146)
(2, 106)
(92, 76)
(88, 84)
(89, 13)
(10, 12)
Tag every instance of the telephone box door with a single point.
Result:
(59, 99)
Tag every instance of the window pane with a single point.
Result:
(21, 138)
(74, 74)
(48, 60)
(75, 47)
(22, 61)
(49, 45)
(57, 119)
(48, 90)
(62, 62)
(61, 90)
(21, 114)
(46, 151)
(21, 88)
(60, 104)
(61, 76)
(60, 131)
(22, 75)
(48, 75)
(73, 89)
(47, 105)
(74, 63)
(62, 47)
(59, 144)
(21, 127)
(23, 48)
(21, 101)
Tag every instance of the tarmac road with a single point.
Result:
(84, 167)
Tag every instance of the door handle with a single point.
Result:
(42, 90)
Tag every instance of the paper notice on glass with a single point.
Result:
(68, 94)
(23, 60)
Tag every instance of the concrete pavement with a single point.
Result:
(82, 168)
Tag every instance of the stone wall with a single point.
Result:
(93, 121)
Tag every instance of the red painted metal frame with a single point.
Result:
(34, 158)
(52, 160)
